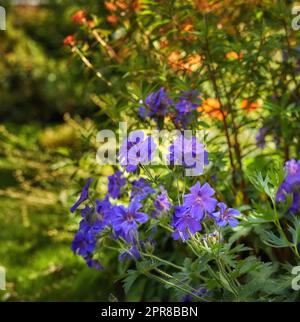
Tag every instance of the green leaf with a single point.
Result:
(295, 230)
(129, 280)
(275, 241)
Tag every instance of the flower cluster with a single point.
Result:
(189, 153)
(124, 222)
(158, 105)
(94, 221)
(115, 184)
(197, 205)
(136, 149)
(291, 185)
(101, 215)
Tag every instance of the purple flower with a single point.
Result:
(86, 211)
(124, 221)
(189, 153)
(83, 243)
(188, 102)
(142, 153)
(115, 183)
(131, 254)
(200, 200)
(282, 192)
(103, 212)
(226, 216)
(290, 185)
(93, 263)
(134, 138)
(135, 150)
(95, 220)
(83, 196)
(140, 189)
(142, 112)
(261, 137)
(185, 106)
(292, 168)
(296, 203)
(162, 204)
(184, 223)
(183, 120)
(158, 103)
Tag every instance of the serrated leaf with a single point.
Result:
(129, 280)
(275, 241)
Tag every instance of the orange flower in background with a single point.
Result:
(175, 60)
(112, 19)
(136, 5)
(69, 41)
(193, 63)
(186, 27)
(91, 23)
(79, 17)
(206, 5)
(212, 107)
(232, 55)
(249, 106)
(122, 5)
(110, 6)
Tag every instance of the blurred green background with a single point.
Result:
(39, 83)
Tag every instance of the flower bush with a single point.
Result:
(230, 232)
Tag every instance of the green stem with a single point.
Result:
(281, 231)
(163, 261)
(176, 280)
(148, 173)
(161, 280)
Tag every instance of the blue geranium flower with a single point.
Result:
(162, 203)
(188, 152)
(136, 149)
(158, 103)
(290, 185)
(83, 196)
(84, 243)
(200, 200)
(184, 223)
(96, 220)
(292, 168)
(226, 216)
(125, 221)
(93, 263)
(115, 184)
(187, 103)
